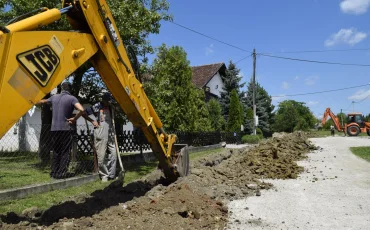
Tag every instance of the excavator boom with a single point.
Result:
(335, 119)
(35, 62)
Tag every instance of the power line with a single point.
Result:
(319, 92)
(317, 51)
(362, 99)
(243, 59)
(348, 106)
(215, 39)
(313, 61)
(273, 56)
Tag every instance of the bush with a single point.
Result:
(259, 132)
(251, 139)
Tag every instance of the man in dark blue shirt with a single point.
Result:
(63, 106)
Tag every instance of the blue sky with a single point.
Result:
(278, 27)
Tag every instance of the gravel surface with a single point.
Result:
(332, 193)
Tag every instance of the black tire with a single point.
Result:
(353, 130)
(368, 132)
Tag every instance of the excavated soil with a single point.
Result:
(194, 202)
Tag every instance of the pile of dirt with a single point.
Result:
(178, 208)
(194, 202)
(239, 174)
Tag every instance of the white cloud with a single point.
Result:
(346, 36)
(311, 80)
(296, 78)
(355, 6)
(312, 103)
(210, 50)
(285, 85)
(359, 95)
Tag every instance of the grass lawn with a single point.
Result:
(326, 133)
(195, 155)
(19, 169)
(48, 199)
(363, 152)
(45, 200)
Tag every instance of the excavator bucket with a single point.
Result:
(181, 159)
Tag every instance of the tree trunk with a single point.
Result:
(45, 145)
(22, 134)
(77, 79)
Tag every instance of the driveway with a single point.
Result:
(332, 193)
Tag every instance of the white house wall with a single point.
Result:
(10, 141)
(215, 85)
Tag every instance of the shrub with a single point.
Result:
(251, 139)
(259, 132)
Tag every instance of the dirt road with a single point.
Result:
(332, 193)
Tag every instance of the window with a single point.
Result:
(216, 87)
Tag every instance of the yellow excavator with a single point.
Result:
(34, 62)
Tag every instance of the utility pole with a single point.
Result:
(254, 92)
(353, 106)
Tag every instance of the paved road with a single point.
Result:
(234, 146)
(338, 199)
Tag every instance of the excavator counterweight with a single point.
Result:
(34, 62)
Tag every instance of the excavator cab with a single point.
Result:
(357, 118)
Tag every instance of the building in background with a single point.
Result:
(208, 78)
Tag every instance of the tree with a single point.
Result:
(264, 108)
(235, 116)
(171, 90)
(292, 116)
(215, 117)
(248, 124)
(202, 121)
(231, 82)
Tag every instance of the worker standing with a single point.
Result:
(104, 137)
(63, 105)
(332, 130)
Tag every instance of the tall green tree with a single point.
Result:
(264, 108)
(292, 115)
(235, 113)
(231, 82)
(215, 116)
(171, 90)
(202, 120)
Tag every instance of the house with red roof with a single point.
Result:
(208, 77)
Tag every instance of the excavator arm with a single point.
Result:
(335, 119)
(35, 62)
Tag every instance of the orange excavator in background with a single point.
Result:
(355, 123)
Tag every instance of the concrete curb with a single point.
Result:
(18, 193)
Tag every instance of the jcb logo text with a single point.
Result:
(41, 63)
